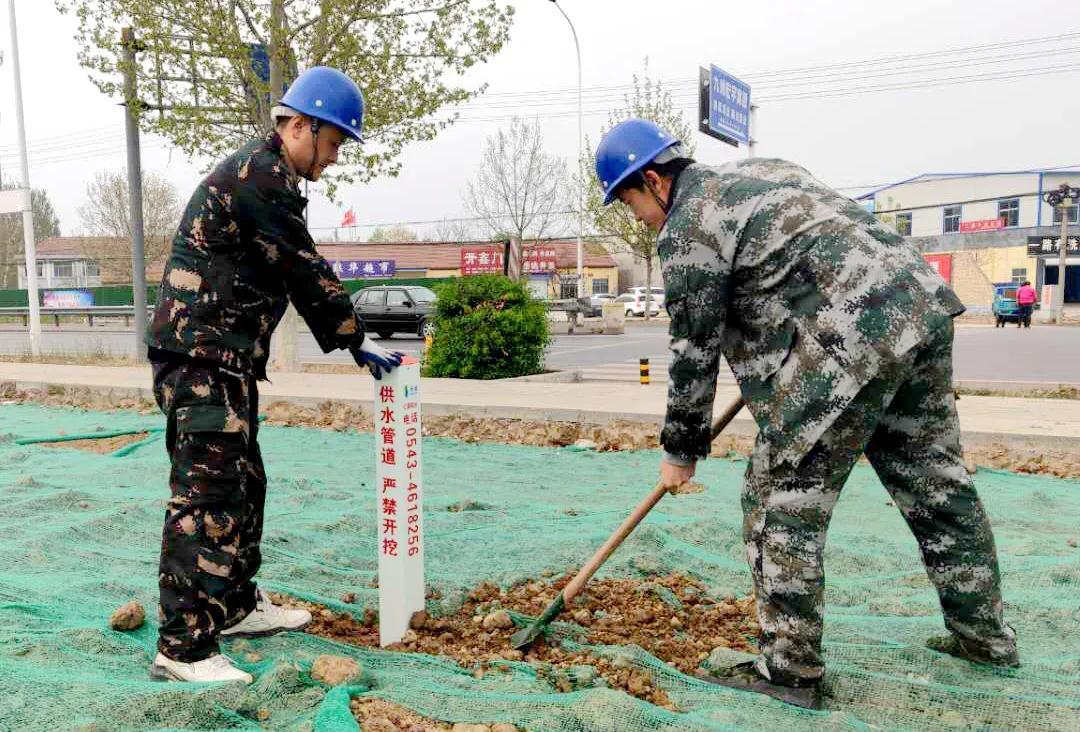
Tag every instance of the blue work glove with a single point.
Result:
(379, 360)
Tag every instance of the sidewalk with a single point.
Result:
(1031, 422)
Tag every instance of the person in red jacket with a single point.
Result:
(1026, 298)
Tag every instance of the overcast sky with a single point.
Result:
(847, 140)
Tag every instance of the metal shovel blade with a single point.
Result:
(524, 637)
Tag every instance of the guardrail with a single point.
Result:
(127, 312)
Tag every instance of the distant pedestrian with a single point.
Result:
(1026, 298)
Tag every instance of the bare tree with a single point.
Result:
(648, 100)
(452, 230)
(519, 189)
(106, 216)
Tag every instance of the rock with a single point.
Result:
(582, 616)
(584, 444)
(676, 624)
(513, 655)
(409, 637)
(498, 619)
(252, 657)
(466, 727)
(128, 617)
(262, 715)
(503, 727)
(970, 466)
(418, 620)
(335, 670)
(349, 597)
(639, 682)
(379, 724)
(1071, 542)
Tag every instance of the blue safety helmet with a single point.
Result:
(627, 148)
(330, 96)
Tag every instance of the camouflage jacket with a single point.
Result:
(802, 291)
(242, 251)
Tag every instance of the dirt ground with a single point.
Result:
(99, 445)
(671, 616)
(376, 715)
(615, 436)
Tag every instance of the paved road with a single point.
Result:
(1044, 354)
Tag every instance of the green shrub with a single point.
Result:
(487, 327)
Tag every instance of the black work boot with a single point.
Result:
(969, 651)
(745, 676)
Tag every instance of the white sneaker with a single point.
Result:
(216, 668)
(267, 619)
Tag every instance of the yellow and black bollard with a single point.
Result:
(644, 367)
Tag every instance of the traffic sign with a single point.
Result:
(724, 106)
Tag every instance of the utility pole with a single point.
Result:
(283, 349)
(581, 155)
(29, 245)
(130, 44)
(1061, 199)
(751, 143)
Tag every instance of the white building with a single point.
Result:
(980, 228)
(942, 203)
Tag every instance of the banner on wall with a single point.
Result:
(942, 264)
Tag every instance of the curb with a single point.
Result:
(743, 424)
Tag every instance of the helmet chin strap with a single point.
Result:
(314, 148)
(665, 206)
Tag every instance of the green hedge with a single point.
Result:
(114, 295)
(487, 327)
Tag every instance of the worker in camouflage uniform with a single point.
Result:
(840, 337)
(241, 254)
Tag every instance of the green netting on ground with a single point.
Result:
(79, 537)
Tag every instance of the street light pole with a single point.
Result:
(1059, 199)
(581, 156)
(28, 214)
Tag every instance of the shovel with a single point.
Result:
(526, 636)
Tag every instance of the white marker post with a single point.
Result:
(399, 502)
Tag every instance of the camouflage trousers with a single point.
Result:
(213, 521)
(906, 423)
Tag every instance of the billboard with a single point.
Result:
(363, 269)
(724, 104)
(67, 299)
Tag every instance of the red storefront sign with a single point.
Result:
(482, 260)
(942, 264)
(966, 227)
(538, 258)
(489, 260)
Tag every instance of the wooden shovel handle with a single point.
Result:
(571, 590)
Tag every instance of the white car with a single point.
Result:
(597, 302)
(657, 294)
(635, 305)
